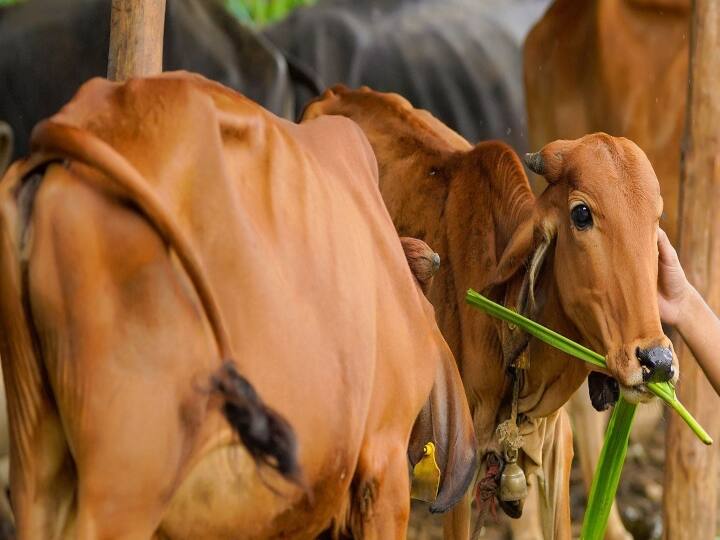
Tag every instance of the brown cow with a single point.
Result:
(157, 214)
(581, 258)
(618, 66)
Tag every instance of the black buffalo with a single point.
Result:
(459, 59)
(48, 48)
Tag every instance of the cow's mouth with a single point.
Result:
(635, 366)
(656, 364)
(605, 391)
(637, 394)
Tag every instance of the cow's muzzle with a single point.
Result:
(656, 363)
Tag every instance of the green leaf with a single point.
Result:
(539, 331)
(664, 391)
(607, 473)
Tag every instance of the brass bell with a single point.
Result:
(513, 485)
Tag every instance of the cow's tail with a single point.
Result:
(265, 434)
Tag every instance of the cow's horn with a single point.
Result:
(535, 162)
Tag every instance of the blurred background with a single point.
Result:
(459, 59)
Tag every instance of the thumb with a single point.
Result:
(666, 251)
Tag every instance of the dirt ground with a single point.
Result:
(639, 497)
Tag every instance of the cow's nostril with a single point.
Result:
(645, 363)
(656, 363)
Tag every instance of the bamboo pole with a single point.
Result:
(136, 38)
(690, 494)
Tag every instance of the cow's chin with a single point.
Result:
(636, 394)
(639, 393)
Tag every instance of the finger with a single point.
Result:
(666, 251)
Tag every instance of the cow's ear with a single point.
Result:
(516, 252)
(550, 161)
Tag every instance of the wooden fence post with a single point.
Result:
(690, 494)
(136, 38)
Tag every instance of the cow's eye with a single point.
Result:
(581, 217)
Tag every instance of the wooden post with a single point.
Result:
(690, 495)
(136, 38)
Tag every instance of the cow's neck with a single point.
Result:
(487, 201)
(489, 198)
(552, 376)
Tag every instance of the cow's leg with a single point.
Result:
(41, 477)
(456, 522)
(6, 517)
(528, 526)
(554, 478)
(7, 525)
(7, 521)
(41, 483)
(588, 429)
(381, 492)
(122, 343)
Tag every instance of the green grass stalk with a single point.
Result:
(612, 457)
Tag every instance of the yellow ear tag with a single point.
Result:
(426, 476)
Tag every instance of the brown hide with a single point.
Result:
(107, 351)
(616, 66)
(475, 207)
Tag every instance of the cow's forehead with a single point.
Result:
(607, 166)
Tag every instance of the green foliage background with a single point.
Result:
(249, 11)
(263, 11)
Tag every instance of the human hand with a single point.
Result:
(673, 286)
